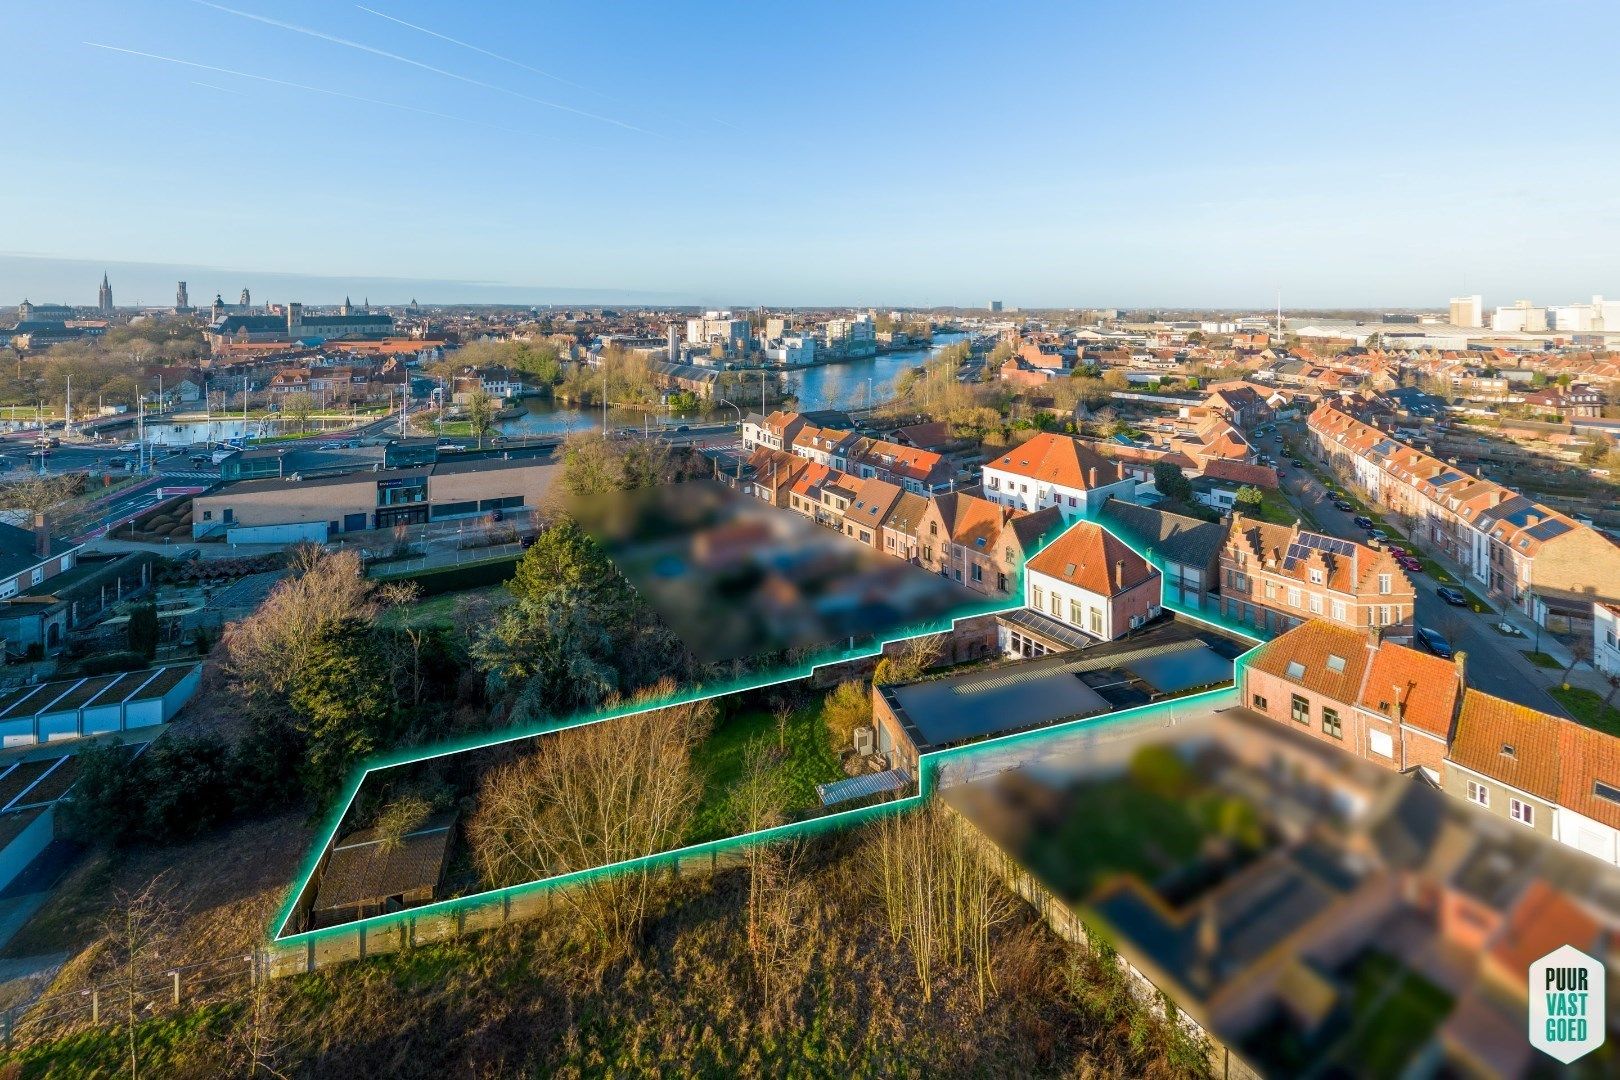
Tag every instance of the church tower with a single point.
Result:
(104, 302)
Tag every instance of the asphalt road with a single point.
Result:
(1496, 662)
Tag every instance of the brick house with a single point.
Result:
(902, 527)
(1373, 698)
(1275, 577)
(1093, 582)
(981, 544)
(863, 518)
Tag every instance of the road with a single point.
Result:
(1496, 662)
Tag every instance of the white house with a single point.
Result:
(1060, 471)
(1093, 582)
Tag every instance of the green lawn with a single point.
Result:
(1542, 660)
(435, 610)
(1587, 707)
(1275, 508)
(807, 760)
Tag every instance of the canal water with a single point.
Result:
(849, 385)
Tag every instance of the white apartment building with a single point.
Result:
(793, 348)
(719, 327)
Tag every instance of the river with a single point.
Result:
(851, 384)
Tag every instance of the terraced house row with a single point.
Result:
(1519, 551)
(969, 539)
(1415, 713)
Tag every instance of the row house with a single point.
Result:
(1374, 698)
(1410, 711)
(1090, 581)
(1521, 552)
(980, 544)
(777, 430)
(1568, 402)
(911, 467)
(1275, 577)
(1059, 471)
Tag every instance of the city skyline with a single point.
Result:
(1186, 167)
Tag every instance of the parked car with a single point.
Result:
(129, 448)
(1434, 642)
(1377, 537)
(1363, 522)
(1342, 506)
(1452, 597)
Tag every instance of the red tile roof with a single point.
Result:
(1093, 558)
(1511, 743)
(1061, 460)
(1322, 656)
(1425, 686)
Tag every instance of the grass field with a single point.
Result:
(807, 759)
(1587, 707)
(1542, 660)
(437, 610)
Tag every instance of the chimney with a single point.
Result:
(1375, 636)
(1461, 659)
(1092, 476)
(42, 535)
(1119, 573)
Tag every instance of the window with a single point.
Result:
(1077, 613)
(1521, 812)
(1295, 669)
(995, 483)
(1478, 793)
(1386, 584)
(1096, 621)
(208, 515)
(1330, 723)
(1293, 597)
(933, 528)
(1057, 606)
(1338, 611)
(1073, 501)
(1300, 710)
(978, 571)
(1316, 604)
(1317, 577)
(1038, 596)
(1607, 792)
(1381, 744)
(1260, 703)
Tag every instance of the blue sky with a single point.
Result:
(878, 153)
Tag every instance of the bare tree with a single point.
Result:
(133, 929)
(590, 796)
(1579, 650)
(775, 889)
(940, 893)
(270, 648)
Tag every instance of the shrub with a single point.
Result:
(846, 708)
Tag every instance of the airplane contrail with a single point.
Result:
(515, 63)
(479, 49)
(385, 54)
(214, 86)
(313, 90)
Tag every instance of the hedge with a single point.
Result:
(443, 579)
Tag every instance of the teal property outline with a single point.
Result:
(928, 764)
